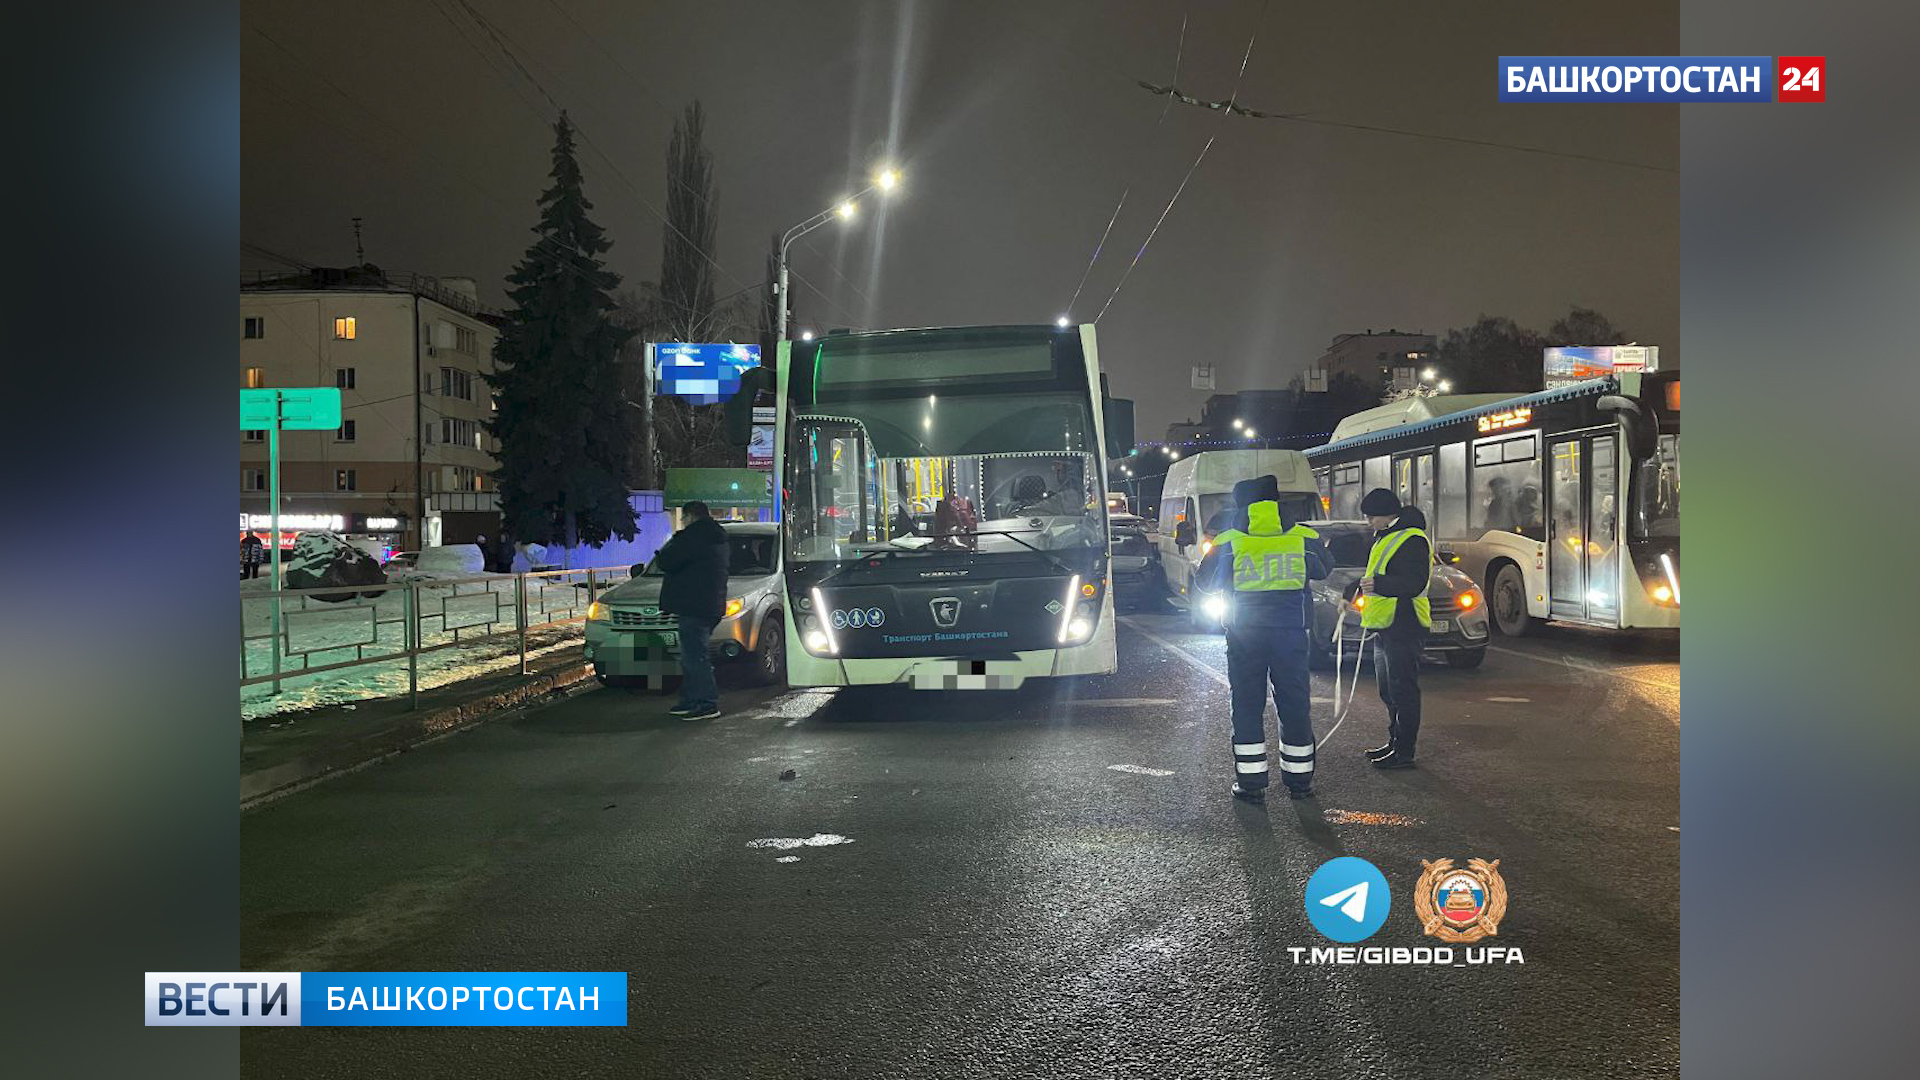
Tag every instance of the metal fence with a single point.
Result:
(291, 633)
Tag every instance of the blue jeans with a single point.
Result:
(697, 689)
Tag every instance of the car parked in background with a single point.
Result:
(1136, 574)
(403, 560)
(1459, 633)
(626, 621)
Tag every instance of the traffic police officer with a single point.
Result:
(1399, 616)
(1265, 562)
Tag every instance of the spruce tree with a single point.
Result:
(564, 470)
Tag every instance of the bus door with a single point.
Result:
(1583, 527)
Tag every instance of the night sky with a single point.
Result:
(1017, 126)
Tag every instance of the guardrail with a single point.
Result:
(334, 629)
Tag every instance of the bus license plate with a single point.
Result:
(1441, 626)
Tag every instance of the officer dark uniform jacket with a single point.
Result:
(1265, 568)
(1399, 616)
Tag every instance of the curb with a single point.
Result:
(266, 785)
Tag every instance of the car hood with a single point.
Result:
(643, 591)
(1444, 579)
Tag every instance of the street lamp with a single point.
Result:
(1252, 434)
(1061, 322)
(884, 181)
(1237, 423)
(1443, 386)
(806, 335)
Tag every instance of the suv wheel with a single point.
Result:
(770, 659)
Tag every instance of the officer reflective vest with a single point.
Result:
(1268, 559)
(1379, 612)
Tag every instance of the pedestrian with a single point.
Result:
(252, 554)
(1266, 567)
(694, 563)
(1399, 616)
(486, 552)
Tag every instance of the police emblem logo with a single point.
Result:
(1461, 904)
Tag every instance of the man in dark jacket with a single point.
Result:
(694, 563)
(1398, 615)
(252, 554)
(1263, 567)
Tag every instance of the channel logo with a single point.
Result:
(386, 998)
(1348, 899)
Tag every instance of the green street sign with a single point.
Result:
(719, 487)
(290, 408)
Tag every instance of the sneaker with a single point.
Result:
(702, 712)
(1395, 760)
(1379, 752)
(1249, 794)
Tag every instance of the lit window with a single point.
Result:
(256, 327)
(343, 377)
(253, 479)
(345, 434)
(343, 328)
(345, 480)
(256, 378)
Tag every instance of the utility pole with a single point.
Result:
(359, 251)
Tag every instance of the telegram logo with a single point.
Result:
(1347, 899)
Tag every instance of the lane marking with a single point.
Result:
(1141, 770)
(1119, 702)
(1204, 667)
(1511, 700)
(788, 843)
(788, 858)
(1608, 672)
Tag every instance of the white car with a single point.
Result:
(625, 625)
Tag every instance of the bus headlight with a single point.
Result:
(815, 640)
(1662, 594)
(1080, 628)
(1214, 606)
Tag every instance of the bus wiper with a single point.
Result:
(1015, 537)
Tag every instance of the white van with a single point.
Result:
(1196, 501)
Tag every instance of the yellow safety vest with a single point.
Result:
(1269, 560)
(1379, 610)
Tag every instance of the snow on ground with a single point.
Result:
(454, 614)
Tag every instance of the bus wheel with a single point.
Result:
(1509, 602)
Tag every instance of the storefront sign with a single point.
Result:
(760, 441)
(334, 522)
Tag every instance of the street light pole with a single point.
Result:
(844, 209)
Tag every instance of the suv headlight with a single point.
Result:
(596, 611)
(734, 606)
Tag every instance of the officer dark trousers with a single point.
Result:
(1259, 657)
(1396, 670)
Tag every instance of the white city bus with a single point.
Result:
(943, 501)
(1563, 505)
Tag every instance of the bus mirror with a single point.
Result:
(1641, 427)
(1117, 414)
(753, 382)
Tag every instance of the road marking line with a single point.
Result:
(1141, 770)
(1118, 702)
(1608, 672)
(788, 843)
(1368, 817)
(1204, 667)
(1511, 700)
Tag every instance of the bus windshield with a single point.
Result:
(1656, 495)
(980, 441)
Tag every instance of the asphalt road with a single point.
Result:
(1010, 904)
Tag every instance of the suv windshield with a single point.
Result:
(748, 555)
(980, 441)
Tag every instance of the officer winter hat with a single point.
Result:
(1256, 489)
(1380, 503)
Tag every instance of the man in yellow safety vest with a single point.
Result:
(1263, 565)
(1398, 615)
